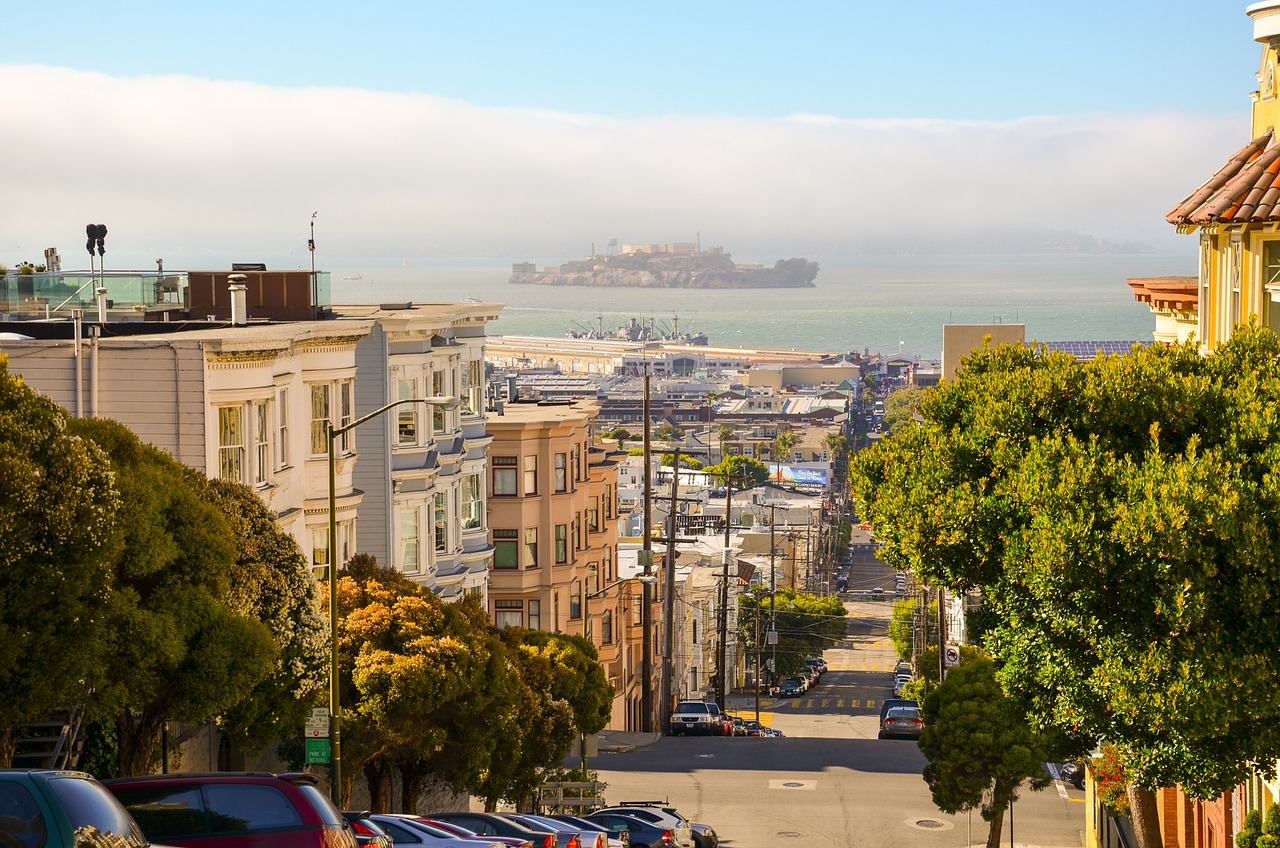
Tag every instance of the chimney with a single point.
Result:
(513, 393)
(239, 300)
(102, 305)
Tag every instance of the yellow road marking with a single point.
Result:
(825, 703)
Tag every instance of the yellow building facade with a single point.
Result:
(1236, 212)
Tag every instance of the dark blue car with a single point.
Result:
(42, 808)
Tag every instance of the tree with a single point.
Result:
(724, 435)
(1250, 831)
(1118, 516)
(621, 434)
(902, 625)
(979, 746)
(180, 651)
(782, 445)
(421, 682)
(806, 625)
(272, 582)
(900, 408)
(686, 461)
(668, 432)
(58, 506)
(743, 471)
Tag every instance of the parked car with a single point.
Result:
(753, 727)
(459, 830)
(903, 667)
(889, 703)
(704, 835)
(368, 833)
(701, 717)
(899, 683)
(567, 836)
(901, 722)
(492, 824)
(659, 813)
(418, 832)
(615, 840)
(1073, 773)
(641, 833)
(234, 810)
(877, 593)
(43, 808)
(792, 687)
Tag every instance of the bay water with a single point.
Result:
(883, 304)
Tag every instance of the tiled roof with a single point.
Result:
(1244, 190)
(1180, 293)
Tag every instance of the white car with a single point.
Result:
(411, 830)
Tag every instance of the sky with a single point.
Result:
(533, 131)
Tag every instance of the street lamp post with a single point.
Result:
(335, 723)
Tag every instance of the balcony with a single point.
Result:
(136, 295)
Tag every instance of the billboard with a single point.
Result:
(797, 475)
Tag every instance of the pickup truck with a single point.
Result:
(42, 808)
(697, 717)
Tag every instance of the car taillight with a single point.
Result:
(549, 841)
(361, 827)
(668, 839)
(574, 842)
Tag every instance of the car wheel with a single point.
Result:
(880, 735)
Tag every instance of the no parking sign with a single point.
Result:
(952, 655)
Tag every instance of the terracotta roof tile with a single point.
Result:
(1243, 190)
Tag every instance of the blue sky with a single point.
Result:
(513, 129)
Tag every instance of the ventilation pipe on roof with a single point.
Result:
(239, 300)
(102, 305)
(513, 392)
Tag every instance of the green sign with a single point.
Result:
(317, 750)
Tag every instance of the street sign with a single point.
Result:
(771, 638)
(317, 724)
(317, 750)
(952, 655)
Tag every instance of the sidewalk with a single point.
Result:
(621, 741)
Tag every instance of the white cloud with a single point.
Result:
(187, 168)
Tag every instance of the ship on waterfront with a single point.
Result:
(636, 330)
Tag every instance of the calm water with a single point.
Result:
(859, 303)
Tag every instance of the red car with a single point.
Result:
(234, 810)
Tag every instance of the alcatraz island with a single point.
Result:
(680, 265)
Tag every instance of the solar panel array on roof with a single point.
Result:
(1089, 350)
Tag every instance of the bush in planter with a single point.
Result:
(1270, 836)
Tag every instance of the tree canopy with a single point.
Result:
(1118, 516)
(979, 745)
(807, 625)
(58, 505)
(178, 650)
(742, 471)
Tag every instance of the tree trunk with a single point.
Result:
(7, 732)
(1145, 816)
(996, 828)
(377, 773)
(138, 734)
(412, 778)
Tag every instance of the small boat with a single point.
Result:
(353, 277)
(472, 300)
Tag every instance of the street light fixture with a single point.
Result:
(335, 732)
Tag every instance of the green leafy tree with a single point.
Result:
(979, 746)
(725, 434)
(58, 507)
(621, 434)
(806, 625)
(668, 432)
(902, 626)
(272, 582)
(782, 445)
(1270, 836)
(1118, 516)
(900, 408)
(180, 651)
(686, 461)
(418, 681)
(743, 471)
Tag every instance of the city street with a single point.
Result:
(829, 781)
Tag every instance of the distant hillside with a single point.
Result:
(670, 271)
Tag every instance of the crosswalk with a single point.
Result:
(822, 704)
(853, 666)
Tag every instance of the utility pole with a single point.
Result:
(942, 635)
(722, 650)
(773, 592)
(668, 598)
(646, 561)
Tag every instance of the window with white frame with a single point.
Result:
(1271, 283)
(410, 550)
(472, 502)
(531, 547)
(261, 446)
(575, 600)
(471, 390)
(1206, 252)
(1235, 257)
(320, 548)
(345, 407)
(606, 627)
(441, 522)
(535, 615)
(439, 389)
(282, 428)
(406, 413)
(320, 411)
(562, 544)
(231, 444)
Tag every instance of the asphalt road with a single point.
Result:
(829, 781)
